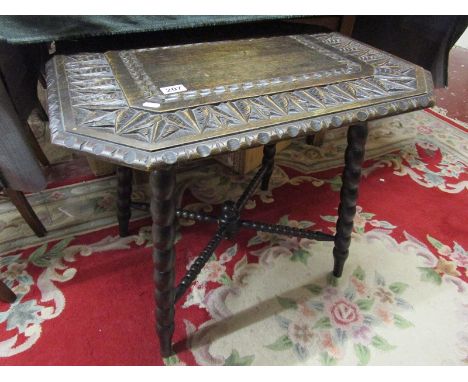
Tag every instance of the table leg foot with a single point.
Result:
(163, 212)
(124, 193)
(354, 155)
(268, 160)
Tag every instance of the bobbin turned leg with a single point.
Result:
(354, 155)
(163, 212)
(124, 193)
(268, 160)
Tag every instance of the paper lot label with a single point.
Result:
(173, 89)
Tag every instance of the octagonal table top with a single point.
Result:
(153, 107)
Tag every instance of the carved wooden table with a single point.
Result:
(151, 109)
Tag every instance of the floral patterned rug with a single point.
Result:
(87, 298)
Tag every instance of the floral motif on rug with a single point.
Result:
(288, 310)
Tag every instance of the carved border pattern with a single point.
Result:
(141, 78)
(109, 111)
(363, 52)
(91, 83)
(151, 91)
(387, 67)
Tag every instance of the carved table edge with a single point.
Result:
(149, 160)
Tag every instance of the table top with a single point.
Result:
(152, 107)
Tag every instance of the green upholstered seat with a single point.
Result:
(37, 29)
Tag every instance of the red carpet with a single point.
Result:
(89, 301)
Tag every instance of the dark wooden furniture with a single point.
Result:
(155, 108)
(24, 208)
(20, 170)
(26, 211)
(6, 294)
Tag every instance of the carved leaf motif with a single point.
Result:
(281, 101)
(225, 114)
(288, 103)
(174, 119)
(370, 86)
(351, 49)
(396, 84)
(163, 129)
(98, 118)
(215, 117)
(339, 93)
(322, 96)
(244, 108)
(103, 85)
(358, 92)
(202, 116)
(170, 124)
(274, 108)
(90, 71)
(263, 108)
(350, 89)
(188, 117)
(374, 58)
(310, 101)
(123, 118)
(295, 104)
(96, 101)
(85, 58)
(138, 124)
